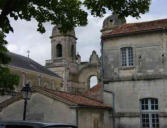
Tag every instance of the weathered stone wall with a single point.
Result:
(33, 77)
(148, 51)
(146, 79)
(127, 99)
(40, 108)
(66, 42)
(91, 118)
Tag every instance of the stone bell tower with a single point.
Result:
(63, 53)
(63, 46)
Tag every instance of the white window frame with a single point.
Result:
(146, 109)
(127, 57)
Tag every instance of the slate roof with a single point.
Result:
(27, 63)
(140, 27)
(76, 99)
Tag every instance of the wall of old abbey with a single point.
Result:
(150, 56)
(36, 79)
(51, 110)
(146, 78)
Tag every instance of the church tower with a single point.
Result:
(63, 53)
(63, 46)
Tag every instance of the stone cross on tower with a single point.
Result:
(28, 53)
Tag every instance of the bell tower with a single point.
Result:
(63, 54)
(63, 46)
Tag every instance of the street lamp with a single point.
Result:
(26, 94)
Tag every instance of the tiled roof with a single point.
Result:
(76, 99)
(94, 89)
(27, 63)
(94, 92)
(137, 28)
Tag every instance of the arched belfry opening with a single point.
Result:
(93, 81)
(72, 51)
(59, 50)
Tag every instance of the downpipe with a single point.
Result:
(105, 90)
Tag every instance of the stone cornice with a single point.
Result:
(136, 114)
(136, 78)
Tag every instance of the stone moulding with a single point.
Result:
(136, 78)
(135, 114)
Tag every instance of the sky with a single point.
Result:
(25, 36)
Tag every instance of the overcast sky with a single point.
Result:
(25, 36)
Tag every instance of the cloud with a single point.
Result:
(26, 37)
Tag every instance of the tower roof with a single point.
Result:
(112, 21)
(56, 32)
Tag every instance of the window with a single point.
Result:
(72, 51)
(93, 81)
(127, 56)
(149, 115)
(59, 50)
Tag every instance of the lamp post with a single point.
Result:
(26, 94)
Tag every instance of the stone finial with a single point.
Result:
(78, 58)
(94, 59)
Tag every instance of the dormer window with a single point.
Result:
(127, 56)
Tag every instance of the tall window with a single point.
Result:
(93, 81)
(149, 115)
(127, 56)
(59, 50)
(72, 51)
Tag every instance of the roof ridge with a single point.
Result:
(54, 92)
(149, 21)
(30, 64)
(137, 28)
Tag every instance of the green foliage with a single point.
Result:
(123, 8)
(65, 13)
(7, 80)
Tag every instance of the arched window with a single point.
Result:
(72, 51)
(93, 81)
(149, 113)
(127, 56)
(59, 50)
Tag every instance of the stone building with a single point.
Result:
(31, 72)
(135, 72)
(63, 98)
(47, 105)
(65, 62)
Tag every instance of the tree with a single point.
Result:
(67, 14)
(7, 80)
(123, 8)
